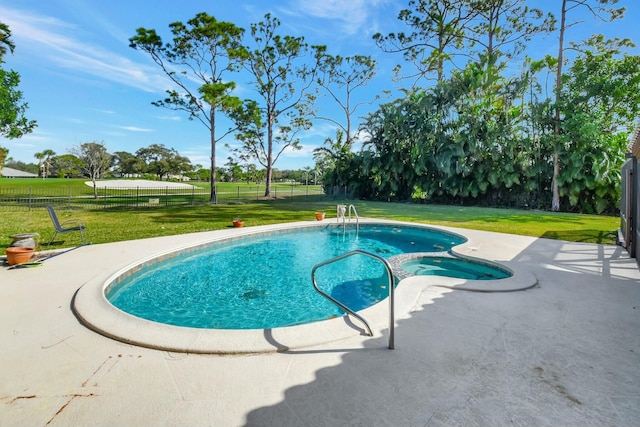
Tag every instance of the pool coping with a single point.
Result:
(93, 309)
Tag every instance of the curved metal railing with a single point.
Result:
(347, 309)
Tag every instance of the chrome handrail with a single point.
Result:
(347, 309)
(341, 212)
(355, 213)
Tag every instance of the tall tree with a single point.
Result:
(95, 160)
(205, 51)
(13, 123)
(282, 76)
(501, 28)
(340, 77)
(437, 29)
(600, 10)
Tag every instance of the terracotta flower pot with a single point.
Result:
(319, 216)
(19, 255)
(238, 223)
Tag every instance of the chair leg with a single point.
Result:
(52, 237)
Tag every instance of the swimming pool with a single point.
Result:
(263, 281)
(92, 309)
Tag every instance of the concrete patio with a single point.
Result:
(564, 353)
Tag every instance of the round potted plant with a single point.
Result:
(238, 222)
(19, 255)
(319, 216)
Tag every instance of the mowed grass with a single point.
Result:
(121, 225)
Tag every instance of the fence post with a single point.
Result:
(69, 204)
(30, 197)
(166, 196)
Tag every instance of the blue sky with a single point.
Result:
(84, 83)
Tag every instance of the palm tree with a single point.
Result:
(50, 154)
(40, 157)
(5, 42)
(306, 170)
(334, 158)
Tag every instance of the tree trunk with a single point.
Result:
(213, 196)
(95, 188)
(555, 202)
(267, 189)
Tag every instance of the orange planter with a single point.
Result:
(238, 223)
(18, 255)
(319, 216)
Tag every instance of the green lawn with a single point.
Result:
(120, 225)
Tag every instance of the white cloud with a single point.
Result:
(354, 16)
(73, 120)
(53, 42)
(172, 118)
(305, 152)
(134, 129)
(321, 130)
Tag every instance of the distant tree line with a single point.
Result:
(156, 162)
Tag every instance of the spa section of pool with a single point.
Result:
(460, 268)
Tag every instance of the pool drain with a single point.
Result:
(255, 294)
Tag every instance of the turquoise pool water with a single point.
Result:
(454, 267)
(264, 281)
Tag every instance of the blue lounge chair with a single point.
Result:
(66, 227)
